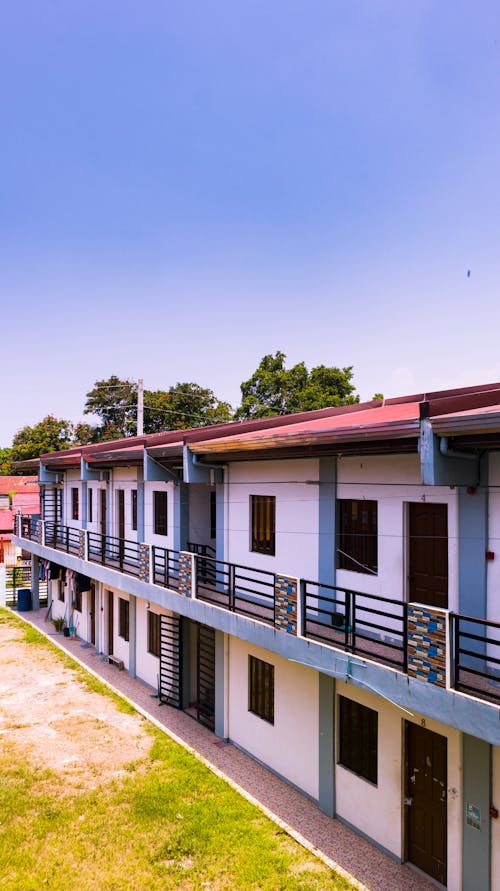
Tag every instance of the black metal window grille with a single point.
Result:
(160, 513)
(263, 523)
(90, 505)
(358, 738)
(123, 618)
(133, 499)
(261, 689)
(154, 633)
(213, 515)
(77, 602)
(74, 503)
(357, 544)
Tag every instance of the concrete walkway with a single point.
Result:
(356, 858)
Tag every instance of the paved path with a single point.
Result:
(362, 861)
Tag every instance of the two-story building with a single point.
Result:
(323, 590)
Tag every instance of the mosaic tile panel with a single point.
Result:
(427, 644)
(39, 532)
(185, 574)
(285, 603)
(144, 562)
(82, 537)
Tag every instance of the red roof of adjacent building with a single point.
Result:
(19, 484)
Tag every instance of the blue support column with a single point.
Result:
(132, 637)
(326, 791)
(476, 804)
(140, 504)
(326, 524)
(35, 594)
(220, 685)
(472, 546)
(84, 504)
(220, 529)
(181, 516)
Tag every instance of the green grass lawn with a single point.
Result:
(169, 823)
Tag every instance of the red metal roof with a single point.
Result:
(18, 484)
(396, 418)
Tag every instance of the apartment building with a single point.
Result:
(323, 590)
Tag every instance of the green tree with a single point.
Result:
(6, 462)
(275, 390)
(85, 434)
(49, 435)
(114, 401)
(185, 405)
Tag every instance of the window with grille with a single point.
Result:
(358, 738)
(357, 543)
(261, 689)
(77, 602)
(154, 625)
(160, 513)
(89, 517)
(133, 497)
(74, 504)
(123, 618)
(263, 519)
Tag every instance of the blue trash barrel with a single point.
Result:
(24, 600)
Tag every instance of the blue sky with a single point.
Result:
(186, 186)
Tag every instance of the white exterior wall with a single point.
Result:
(147, 666)
(120, 646)
(72, 481)
(297, 514)
(124, 478)
(162, 541)
(493, 566)
(58, 606)
(82, 619)
(290, 745)
(378, 810)
(392, 482)
(95, 525)
(199, 514)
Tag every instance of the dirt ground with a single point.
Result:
(48, 714)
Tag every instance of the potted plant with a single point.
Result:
(58, 623)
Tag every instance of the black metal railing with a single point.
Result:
(476, 657)
(17, 577)
(113, 552)
(206, 569)
(201, 550)
(366, 624)
(240, 589)
(62, 538)
(165, 568)
(29, 528)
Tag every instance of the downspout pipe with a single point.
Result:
(448, 452)
(196, 460)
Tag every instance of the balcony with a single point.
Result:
(381, 629)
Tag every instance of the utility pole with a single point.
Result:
(140, 407)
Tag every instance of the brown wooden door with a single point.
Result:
(426, 801)
(428, 554)
(120, 502)
(120, 495)
(110, 622)
(103, 511)
(92, 612)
